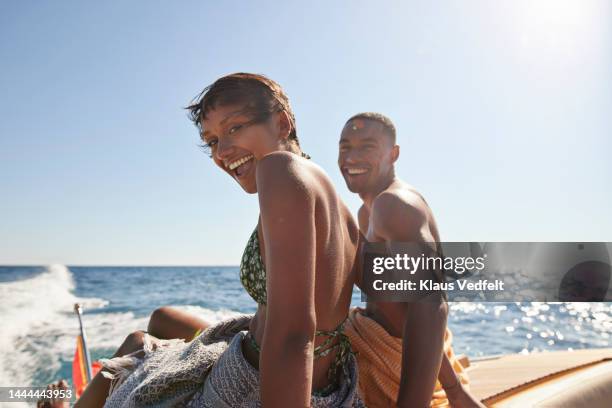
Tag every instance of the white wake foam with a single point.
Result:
(107, 330)
(36, 326)
(40, 328)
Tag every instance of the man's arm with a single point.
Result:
(422, 348)
(287, 217)
(457, 394)
(363, 217)
(395, 220)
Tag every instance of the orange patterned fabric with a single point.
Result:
(379, 356)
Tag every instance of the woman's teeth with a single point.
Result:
(233, 165)
(356, 171)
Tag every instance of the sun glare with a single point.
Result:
(559, 25)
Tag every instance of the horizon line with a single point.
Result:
(117, 266)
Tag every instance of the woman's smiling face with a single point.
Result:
(236, 143)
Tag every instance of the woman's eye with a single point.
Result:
(234, 129)
(208, 147)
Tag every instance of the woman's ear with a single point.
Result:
(284, 125)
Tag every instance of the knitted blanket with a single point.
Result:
(171, 371)
(210, 371)
(234, 383)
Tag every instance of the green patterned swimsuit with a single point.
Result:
(253, 278)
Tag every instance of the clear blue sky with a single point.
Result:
(504, 114)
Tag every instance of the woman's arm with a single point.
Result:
(287, 217)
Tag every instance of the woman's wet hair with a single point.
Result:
(260, 96)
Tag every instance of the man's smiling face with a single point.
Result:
(366, 155)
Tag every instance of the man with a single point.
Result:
(386, 333)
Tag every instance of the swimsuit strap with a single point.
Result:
(343, 353)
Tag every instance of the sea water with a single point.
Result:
(39, 327)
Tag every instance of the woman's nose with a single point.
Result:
(224, 149)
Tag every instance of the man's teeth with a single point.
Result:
(356, 171)
(239, 162)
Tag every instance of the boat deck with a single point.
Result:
(492, 379)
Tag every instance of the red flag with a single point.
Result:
(79, 368)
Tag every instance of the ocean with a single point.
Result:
(39, 327)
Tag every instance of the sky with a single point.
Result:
(503, 111)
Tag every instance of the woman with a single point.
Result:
(298, 267)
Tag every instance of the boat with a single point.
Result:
(580, 378)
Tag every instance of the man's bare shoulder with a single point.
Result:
(399, 214)
(399, 201)
(409, 194)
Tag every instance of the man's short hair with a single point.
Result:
(388, 126)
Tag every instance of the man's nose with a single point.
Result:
(350, 157)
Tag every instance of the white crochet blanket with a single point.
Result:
(171, 370)
(210, 371)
